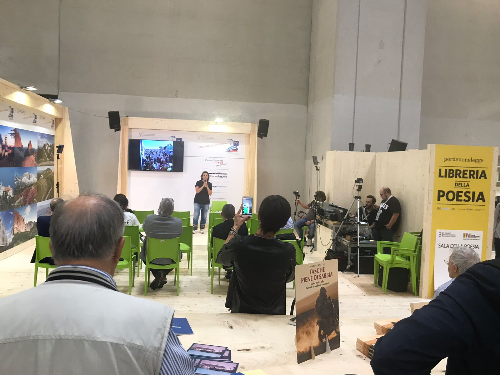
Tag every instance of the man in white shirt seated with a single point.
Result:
(460, 260)
(77, 322)
(128, 215)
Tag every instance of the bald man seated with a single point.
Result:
(77, 322)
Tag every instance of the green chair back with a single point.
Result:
(186, 244)
(162, 248)
(285, 231)
(217, 221)
(141, 215)
(254, 226)
(255, 216)
(135, 238)
(126, 250)
(211, 217)
(181, 214)
(185, 221)
(217, 206)
(42, 249)
(218, 243)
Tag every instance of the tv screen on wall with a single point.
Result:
(155, 155)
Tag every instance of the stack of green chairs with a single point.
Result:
(135, 239)
(217, 206)
(186, 244)
(127, 262)
(218, 243)
(403, 255)
(158, 248)
(42, 251)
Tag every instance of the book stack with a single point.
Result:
(382, 327)
(212, 360)
(365, 345)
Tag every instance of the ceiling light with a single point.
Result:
(219, 120)
(29, 88)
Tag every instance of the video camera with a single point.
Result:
(358, 183)
(297, 194)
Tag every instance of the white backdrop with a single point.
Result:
(221, 154)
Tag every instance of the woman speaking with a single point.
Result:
(203, 190)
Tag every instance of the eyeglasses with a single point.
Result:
(447, 261)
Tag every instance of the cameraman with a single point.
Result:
(310, 218)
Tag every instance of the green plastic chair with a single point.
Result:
(403, 255)
(211, 217)
(185, 221)
(254, 226)
(299, 254)
(135, 239)
(127, 262)
(181, 214)
(186, 244)
(141, 215)
(209, 248)
(42, 251)
(158, 248)
(218, 243)
(215, 221)
(217, 206)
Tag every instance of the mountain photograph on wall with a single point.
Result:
(44, 184)
(43, 208)
(6, 188)
(6, 229)
(24, 224)
(6, 147)
(25, 143)
(24, 186)
(45, 151)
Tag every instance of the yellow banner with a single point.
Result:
(460, 204)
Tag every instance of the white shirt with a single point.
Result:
(130, 219)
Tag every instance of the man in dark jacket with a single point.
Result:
(462, 323)
(262, 264)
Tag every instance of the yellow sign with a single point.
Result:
(460, 204)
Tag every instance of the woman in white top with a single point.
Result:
(128, 214)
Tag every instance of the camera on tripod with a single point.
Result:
(297, 194)
(358, 183)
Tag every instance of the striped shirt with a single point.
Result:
(176, 361)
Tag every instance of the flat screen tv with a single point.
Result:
(154, 155)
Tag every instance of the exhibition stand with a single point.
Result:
(31, 127)
(446, 192)
(228, 151)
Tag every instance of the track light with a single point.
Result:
(57, 101)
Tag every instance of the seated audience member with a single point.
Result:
(460, 260)
(222, 230)
(162, 226)
(262, 264)
(129, 216)
(43, 226)
(82, 323)
(289, 224)
(310, 218)
(461, 324)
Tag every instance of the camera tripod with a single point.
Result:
(356, 200)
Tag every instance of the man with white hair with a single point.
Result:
(460, 260)
(162, 226)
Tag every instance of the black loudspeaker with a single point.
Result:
(263, 128)
(114, 120)
(351, 146)
(397, 146)
(368, 147)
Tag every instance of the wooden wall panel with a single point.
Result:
(342, 168)
(407, 175)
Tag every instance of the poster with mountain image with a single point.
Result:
(44, 183)
(6, 229)
(45, 151)
(6, 188)
(6, 147)
(25, 145)
(24, 224)
(24, 186)
(43, 208)
(317, 304)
